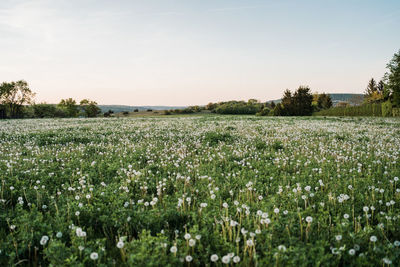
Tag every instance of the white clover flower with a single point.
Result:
(309, 219)
(373, 238)
(236, 259)
(188, 258)
(94, 256)
(173, 249)
(352, 252)
(276, 210)
(225, 205)
(187, 236)
(338, 237)
(214, 258)
(346, 216)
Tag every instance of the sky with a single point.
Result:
(189, 52)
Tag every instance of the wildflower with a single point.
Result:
(309, 219)
(173, 249)
(120, 244)
(373, 238)
(214, 257)
(59, 235)
(282, 248)
(188, 258)
(250, 243)
(94, 256)
(187, 236)
(43, 240)
(338, 237)
(236, 259)
(352, 252)
(226, 259)
(192, 242)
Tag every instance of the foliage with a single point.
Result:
(363, 110)
(297, 104)
(69, 106)
(89, 108)
(175, 191)
(387, 109)
(392, 78)
(13, 95)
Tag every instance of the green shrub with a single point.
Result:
(387, 109)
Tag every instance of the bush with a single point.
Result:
(364, 110)
(387, 109)
(264, 112)
(238, 107)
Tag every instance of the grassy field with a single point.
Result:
(200, 191)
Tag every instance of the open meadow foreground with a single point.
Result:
(200, 191)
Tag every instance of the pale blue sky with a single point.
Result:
(192, 52)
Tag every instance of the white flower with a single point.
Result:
(226, 259)
(365, 209)
(250, 243)
(120, 244)
(352, 252)
(214, 257)
(188, 258)
(59, 235)
(43, 240)
(187, 236)
(236, 259)
(225, 205)
(309, 219)
(338, 237)
(373, 238)
(276, 210)
(346, 216)
(282, 248)
(94, 256)
(192, 242)
(173, 249)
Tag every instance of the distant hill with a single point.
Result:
(353, 99)
(122, 108)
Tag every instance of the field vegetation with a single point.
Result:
(200, 191)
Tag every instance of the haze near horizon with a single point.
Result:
(182, 53)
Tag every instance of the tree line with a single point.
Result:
(16, 101)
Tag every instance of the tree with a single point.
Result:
(273, 105)
(89, 108)
(69, 106)
(324, 101)
(302, 101)
(287, 104)
(374, 91)
(14, 95)
(392, 79)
